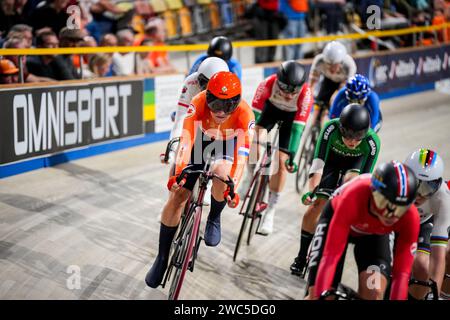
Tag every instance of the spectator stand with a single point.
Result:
(193, 21)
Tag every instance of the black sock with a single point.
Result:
(166, 235)
(216, 208)
(305, 241)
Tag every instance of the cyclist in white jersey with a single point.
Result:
(193, 84)
(336, 66)
(433, 203)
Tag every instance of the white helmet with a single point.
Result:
(211, 66)
(334, 52)
(428, 167)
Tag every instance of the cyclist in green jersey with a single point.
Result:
(346, 147)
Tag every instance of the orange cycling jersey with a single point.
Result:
(239, 126)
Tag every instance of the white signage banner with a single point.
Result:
(167, 92)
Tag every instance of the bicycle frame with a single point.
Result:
(306, 154)
(185, 247)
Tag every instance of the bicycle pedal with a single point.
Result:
(260, 207)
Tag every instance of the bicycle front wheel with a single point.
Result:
(183, 253)
(304, 163)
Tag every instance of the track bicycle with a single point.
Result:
(253, 203)
(306, 152)
(187, 241)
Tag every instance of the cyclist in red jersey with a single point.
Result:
(284, 96)
(365, 211)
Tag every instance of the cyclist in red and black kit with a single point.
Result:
(365, 211)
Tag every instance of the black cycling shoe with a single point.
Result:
(155, 275)
(212, 234)
(298, 267)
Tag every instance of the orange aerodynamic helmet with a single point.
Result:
(223, 92)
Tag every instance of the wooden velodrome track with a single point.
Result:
(99, 216)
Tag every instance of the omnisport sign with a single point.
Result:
(51, 119)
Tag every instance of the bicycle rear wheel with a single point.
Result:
(246, 213)
(183, 252)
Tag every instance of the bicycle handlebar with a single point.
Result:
(186, 172)
(169, 148)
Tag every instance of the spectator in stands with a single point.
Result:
(108, 40)
(142, 59)
(267, 25)
(159, 60)
(81, 62)
(108, 17)
(50, 66)
(295, 11)
(438, 19)
(417, 11)
(100, 65)
(71, 38)
(333, 10)
(124, 64)
(8, 16)
(22, 31)
(143, 12)
(20, 43)
(8, 72)
(52, 14)
(220, 47)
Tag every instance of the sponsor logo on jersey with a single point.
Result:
(344, 153)
(184, 89)
(190, 111)
(328, 131)
(373, 147)
(317, 243)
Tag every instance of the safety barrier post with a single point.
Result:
(188, 61)
(21, 79)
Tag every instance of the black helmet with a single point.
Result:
(354, 121)
(394, 188)
(220, 47)
(291, 76)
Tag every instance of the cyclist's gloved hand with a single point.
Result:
(308, 198)
(172, 184)
(232, 202)
(291, 168)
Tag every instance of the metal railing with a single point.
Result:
(236, 44)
